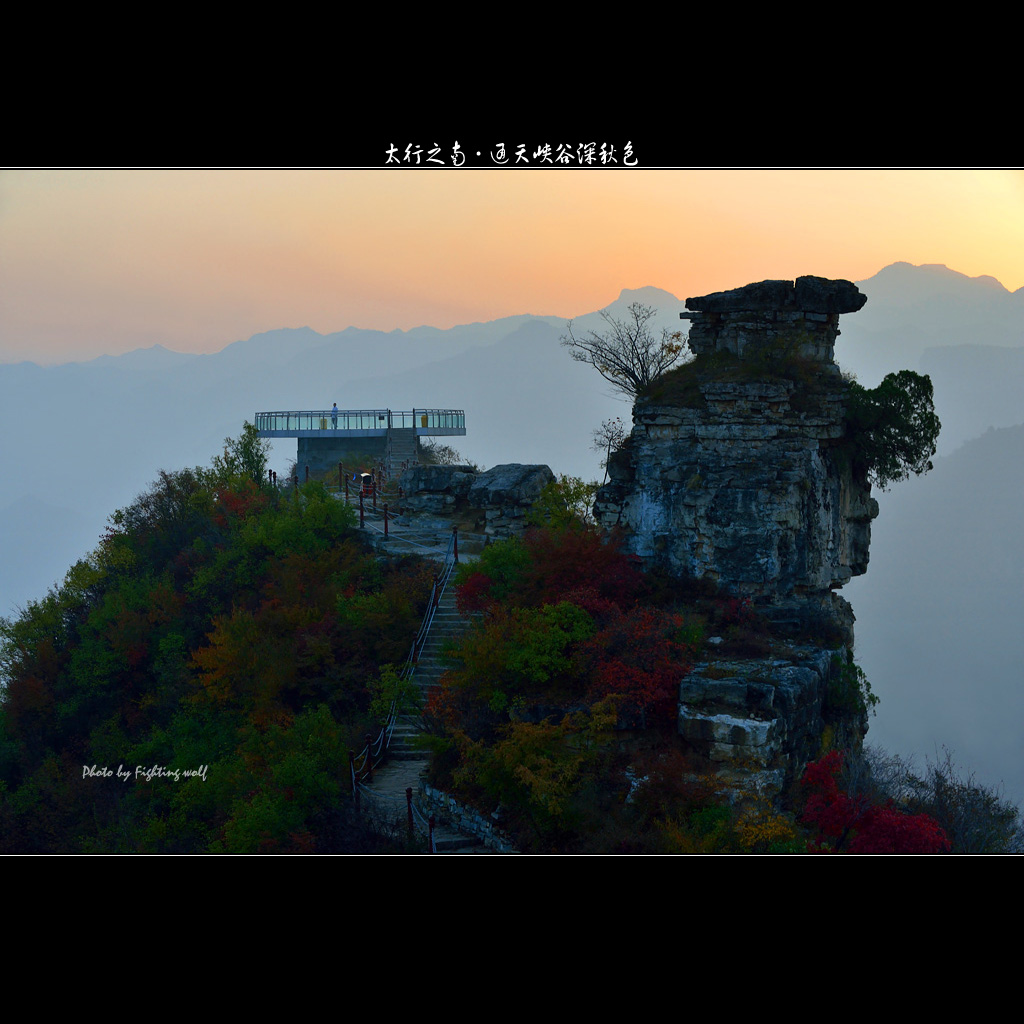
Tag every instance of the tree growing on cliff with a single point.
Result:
(627, 354)
(608, 437)
(893, 427)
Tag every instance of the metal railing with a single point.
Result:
(364, 422)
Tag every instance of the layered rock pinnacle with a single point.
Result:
(735, 470)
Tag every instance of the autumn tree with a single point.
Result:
(628, 354)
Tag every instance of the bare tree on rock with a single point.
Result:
(627, 354)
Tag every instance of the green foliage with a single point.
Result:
(893, 429)
(245, 456)
(501, 568)
(849, 691)
(219, 625)
(564, 504)
(433, 453)
(391, 693)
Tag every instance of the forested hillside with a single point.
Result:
(196, 683)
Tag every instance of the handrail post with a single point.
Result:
(369, 758)
(455, 540)
(346, 487)
(430, 846)
(307, 474)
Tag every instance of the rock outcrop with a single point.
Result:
(494, 502)
(735, 470)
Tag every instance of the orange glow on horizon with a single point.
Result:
(108, 261)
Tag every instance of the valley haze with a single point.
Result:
(938, 611)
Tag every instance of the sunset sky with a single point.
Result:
(106, 261)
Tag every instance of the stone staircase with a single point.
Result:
(404, 451)
(407, 759)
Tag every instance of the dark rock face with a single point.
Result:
(513, 484)
(773, 319)
(808, 294)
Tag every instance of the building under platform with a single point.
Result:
(329, 436)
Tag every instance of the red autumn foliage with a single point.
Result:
(870, 828)
(639, 655)
(565, 561)
(474, 594)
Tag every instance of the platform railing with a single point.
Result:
(362, 420)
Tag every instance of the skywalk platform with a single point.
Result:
(351, 423)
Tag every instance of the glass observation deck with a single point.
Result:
(359, 422)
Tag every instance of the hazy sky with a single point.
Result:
(105, 261)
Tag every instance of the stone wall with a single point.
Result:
(445, 808)
(322, 454)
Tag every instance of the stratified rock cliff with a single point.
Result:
(738, 470)
(735, 470)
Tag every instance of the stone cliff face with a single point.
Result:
(734, 470)
(737, 470)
